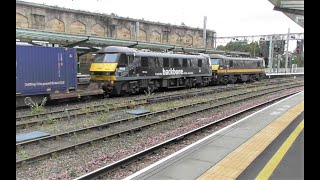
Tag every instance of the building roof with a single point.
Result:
(294, 9)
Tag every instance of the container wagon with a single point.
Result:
(46, 72)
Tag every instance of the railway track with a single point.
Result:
(49, 153)
(101, 173)
(121, 105)
(67, 114)
(139, 99)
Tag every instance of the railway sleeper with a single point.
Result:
(54, 154)
(178, 139)
(19, 147)
(41, 142)
(140, 158)
(23, 163)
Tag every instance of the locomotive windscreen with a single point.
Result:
(214, 61)
(106, 58)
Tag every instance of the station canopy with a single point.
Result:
(294, 9)
(92, 43)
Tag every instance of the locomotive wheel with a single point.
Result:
(252, 79)
(150, 89)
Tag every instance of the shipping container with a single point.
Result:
(45, 70)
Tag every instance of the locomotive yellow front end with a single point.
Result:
(102, 70)
(214, 62)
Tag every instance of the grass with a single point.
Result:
(103, 117)
(106, 106)
(150, 117)
(85, 109)
(91, 107)
(49, 119)
(131, 104)
(148, 93)
(23, 154)
(181, 102)
(37, 108)
(157, 107)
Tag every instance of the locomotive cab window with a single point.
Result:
(158, 61)
(176, 63)
(106, 58)
(231, 63)
(165, 62)
(214, 61)
(144, 61)
(206, 63)
(238, 64)
(194, 63)
(152, 62)
(258, 64)
(131, 58)
(123, 60)
(184, 62)
(199, 62)
(171, 62)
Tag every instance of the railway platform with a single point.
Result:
(267, 144)
(275, 75)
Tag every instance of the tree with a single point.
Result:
(220, 47)
(298, 59)
(242, 46)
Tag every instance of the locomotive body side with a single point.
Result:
(236, 69)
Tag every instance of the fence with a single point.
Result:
(289, 70)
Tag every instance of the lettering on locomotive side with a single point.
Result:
(172, 71)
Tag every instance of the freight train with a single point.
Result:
(122, 70)
(47, 72)
(52, 72)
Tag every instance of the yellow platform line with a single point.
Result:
(275, 160)
(234, 163)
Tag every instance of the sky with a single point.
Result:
(226, 17)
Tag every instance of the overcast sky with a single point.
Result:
(226, 17)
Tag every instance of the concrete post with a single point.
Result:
(215, 40)
(204, 32)
(137, 31)
(270, 54)
(279, 58)
(287, 53)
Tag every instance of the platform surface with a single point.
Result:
(227, 153)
